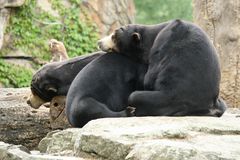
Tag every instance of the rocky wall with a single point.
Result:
(221, 20)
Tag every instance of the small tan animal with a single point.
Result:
(58, 51)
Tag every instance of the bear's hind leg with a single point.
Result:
(155, 103)
(88, 109)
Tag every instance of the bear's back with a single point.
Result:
(109, 79)
(184, 64)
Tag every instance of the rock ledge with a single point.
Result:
(142, 138)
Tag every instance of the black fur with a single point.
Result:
(59, 75)
(183, 70)
(137, 50)
(102, 88)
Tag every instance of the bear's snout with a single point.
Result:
(34, 101)
(106, 44)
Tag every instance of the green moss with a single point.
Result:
(14, 76)
(79, 36)
(30, 28)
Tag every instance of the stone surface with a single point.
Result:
(46, 6)
(109, 15)
(11, 3)
(19, 62)
(18, 152)
(4, 16)
(221, 20)
(63, 143)
(60, 143)
(140, 138)
(19, 123)
(13, 152)
(5, 13)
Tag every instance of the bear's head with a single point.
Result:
(43, 86)
(134, 41)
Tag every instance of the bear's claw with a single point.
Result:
(130, 111)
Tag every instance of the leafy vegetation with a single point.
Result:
(30, 28)
(156, 11)
(14, 76)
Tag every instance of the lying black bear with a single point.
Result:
(183, 74)
(55, 78)
(101, 89)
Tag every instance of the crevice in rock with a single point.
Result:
(236, 82)
(212, 23)
(217, 131)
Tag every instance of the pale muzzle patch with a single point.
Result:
(34, 101)
(107, 44)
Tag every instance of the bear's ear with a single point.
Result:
(51, 89)
(136, 37)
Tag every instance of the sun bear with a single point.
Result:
(183, 73)
(54, 79)
(101, 89)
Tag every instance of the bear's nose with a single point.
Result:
(28, 102)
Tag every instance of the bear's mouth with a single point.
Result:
(101, 47)
(107, 49)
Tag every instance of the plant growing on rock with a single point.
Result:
(30, 27)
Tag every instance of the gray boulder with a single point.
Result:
(18, 152)
(141, 138)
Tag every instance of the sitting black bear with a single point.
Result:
(55, 78)
(101, 89)
(183, 73)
